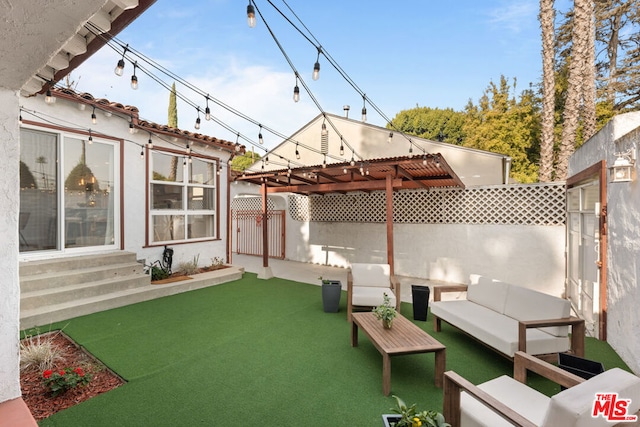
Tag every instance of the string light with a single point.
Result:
(341, 147)
(390, 138)
(49, 98)
(424, 160)
(119, 70)
(324, 162)
(132, 128)
(93, 116)
(260, 140)
(207, 111)
(410, 151)
(297, 152)
(90, 139)
(364, 108)
(142, 153)
(150, 142)
(134, 79)
(251, 15)
(197, 125)
(296, 91)
(316, 67)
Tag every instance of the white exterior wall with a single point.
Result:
(135, 179)
(531, 256)
(9, 208)
(623, 222)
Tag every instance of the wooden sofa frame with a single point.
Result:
(577, 327)
(394, 285)
(454, 384)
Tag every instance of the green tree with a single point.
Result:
(172, 121)
(431, 123)
(502, 124)
(240, 163)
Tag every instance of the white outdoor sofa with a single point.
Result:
(506, 401)
(509, 318)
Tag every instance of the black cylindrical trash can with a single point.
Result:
(420, 296)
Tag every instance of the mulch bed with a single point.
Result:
(38, 397)
(179, 276)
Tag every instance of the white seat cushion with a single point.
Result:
(527, 304)
(495, 329)
(491, 294)
(573, 407)
(371, 275)
(371, 296)
(526, 401)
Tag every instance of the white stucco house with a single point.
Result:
(604, 237)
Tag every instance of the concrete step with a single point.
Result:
(80, 275)
(74, 291)
(46, 315)
(35, 267)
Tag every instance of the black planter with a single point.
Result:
(390, 420)
(331, 296)
(420, 295)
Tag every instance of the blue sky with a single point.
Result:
(401, 54)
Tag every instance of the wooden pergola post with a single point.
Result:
(389, 195)
(266, 270)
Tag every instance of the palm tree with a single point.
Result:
(547, 19)
(589, 78)
(571, 114)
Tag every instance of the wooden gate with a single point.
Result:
(248, 226)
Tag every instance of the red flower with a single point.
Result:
(79, 371)
(47, 373)
(62, 372)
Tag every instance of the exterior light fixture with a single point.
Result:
(296, 91)
(364, 108)
(197, 124)
(251, 15)
(134, 78)
(94, 119)
(623, 169)
(316, 67)
(390, 138)
(49, 98)
(119, 70)
(297, 152)
(260, 140)
(90, 139)
(341, 147)
(132, 128)
(207, 111)
(150, 142)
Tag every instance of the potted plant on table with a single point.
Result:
(331, 291)
(408, 416)
(385, 312)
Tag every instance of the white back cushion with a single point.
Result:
(488, 293)
(573, 407)
(527, 304)
(378, 275)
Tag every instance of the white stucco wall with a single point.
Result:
(9, 208)
(531, 256)
(623, 222)
(134, 176)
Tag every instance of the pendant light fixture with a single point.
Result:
(134, 78)
(296, 91)
(364, 108)
(316, 67)
(207, 111)
(119, 70)
(197, 125)
(94, 119)
(251, 15)
(260, 140)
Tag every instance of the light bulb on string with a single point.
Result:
(207, 111)
(142, 153)
(316, 67)
(341, 147)
(93, 116)
(260, 139)
(390, 138)
(353, 161)
(119, 70)
(197, 125)
(90, 139)
(296, 91)
(410, 151)
(297, 152)
(150, 142)
(134, 78)
(251, 15)
(424, 160)
(49, 98)
(364, 108)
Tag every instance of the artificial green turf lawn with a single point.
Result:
(262, 352)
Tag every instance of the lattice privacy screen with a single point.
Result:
(249, 204)
(533, 204)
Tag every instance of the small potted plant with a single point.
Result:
(331, 291)
(385, 312)
(408, 416)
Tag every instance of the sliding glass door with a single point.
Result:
(68, 193)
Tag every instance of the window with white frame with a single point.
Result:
(182, 198)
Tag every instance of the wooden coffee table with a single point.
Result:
(403, 338)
